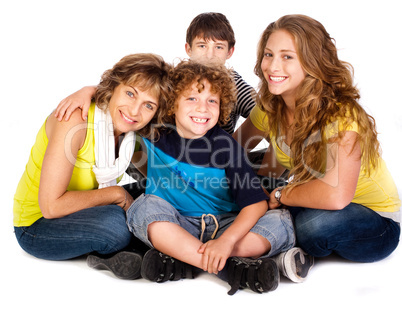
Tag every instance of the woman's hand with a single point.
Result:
(273, 203)
(125, 200)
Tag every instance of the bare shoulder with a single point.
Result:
(75, 126)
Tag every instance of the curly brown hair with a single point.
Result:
(325, 96)
(188, 72)
(148, 72)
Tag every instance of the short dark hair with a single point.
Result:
(211, 26)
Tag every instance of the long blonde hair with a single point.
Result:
(325, 96)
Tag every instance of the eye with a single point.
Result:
(149, 106)
(192, 99)
(130, 94)
(213, 101)
(267, 55)
(287, 57)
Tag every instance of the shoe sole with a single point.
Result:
(124, 265)
(295, 269)
(273, 274)
(148, 264)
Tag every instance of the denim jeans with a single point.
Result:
(356, 233)
(102, 229)
(276, 225)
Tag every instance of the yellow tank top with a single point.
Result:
(26, 206)
(377, 191)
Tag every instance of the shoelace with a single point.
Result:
(203, 226)
(245, 275)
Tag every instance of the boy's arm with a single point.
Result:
(246, 96)
(216, 252)
(79, 99)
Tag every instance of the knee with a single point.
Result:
(113, 232)
(311, 229)
(277, 228)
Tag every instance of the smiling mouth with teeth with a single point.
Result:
(128, 119)
(199, 120)
(277, 78)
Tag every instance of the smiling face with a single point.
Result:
(131, 109)
(209, 51)
(281, 66)
(196, 112)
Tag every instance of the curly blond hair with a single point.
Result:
(326, 95)
(148, 72)
(188, 72)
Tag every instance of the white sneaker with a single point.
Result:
(294, 264)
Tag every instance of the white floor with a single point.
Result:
(52, 48)
(332, 283)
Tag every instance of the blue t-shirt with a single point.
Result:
(208, 175)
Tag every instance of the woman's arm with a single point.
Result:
(337, 188)
(57, 168)
(79, 99)
(270, 166)
(248, 136)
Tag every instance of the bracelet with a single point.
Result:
(125, 199)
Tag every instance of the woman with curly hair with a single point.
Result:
(67, 203)
(340, 192)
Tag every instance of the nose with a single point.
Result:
(275, 64)
(135, 108)
(202, 106)
(210, 53)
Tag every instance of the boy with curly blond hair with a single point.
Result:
(204, 207)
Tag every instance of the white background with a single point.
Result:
(49, 49)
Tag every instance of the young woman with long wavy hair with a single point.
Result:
(339, 191)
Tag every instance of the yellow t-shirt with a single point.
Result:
(377, 191)
(26, 206)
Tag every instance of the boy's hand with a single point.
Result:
(79, 99)
(215, 253)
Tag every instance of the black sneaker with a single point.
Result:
(124, 264)
(159, 267)
(259, 275)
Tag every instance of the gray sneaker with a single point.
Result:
(294, 264)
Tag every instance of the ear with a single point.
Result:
(188, 49)
(230, 53)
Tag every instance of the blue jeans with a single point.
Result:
(276, 225)
(102, 229)
(356, 233)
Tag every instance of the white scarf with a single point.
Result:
(107, 169)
